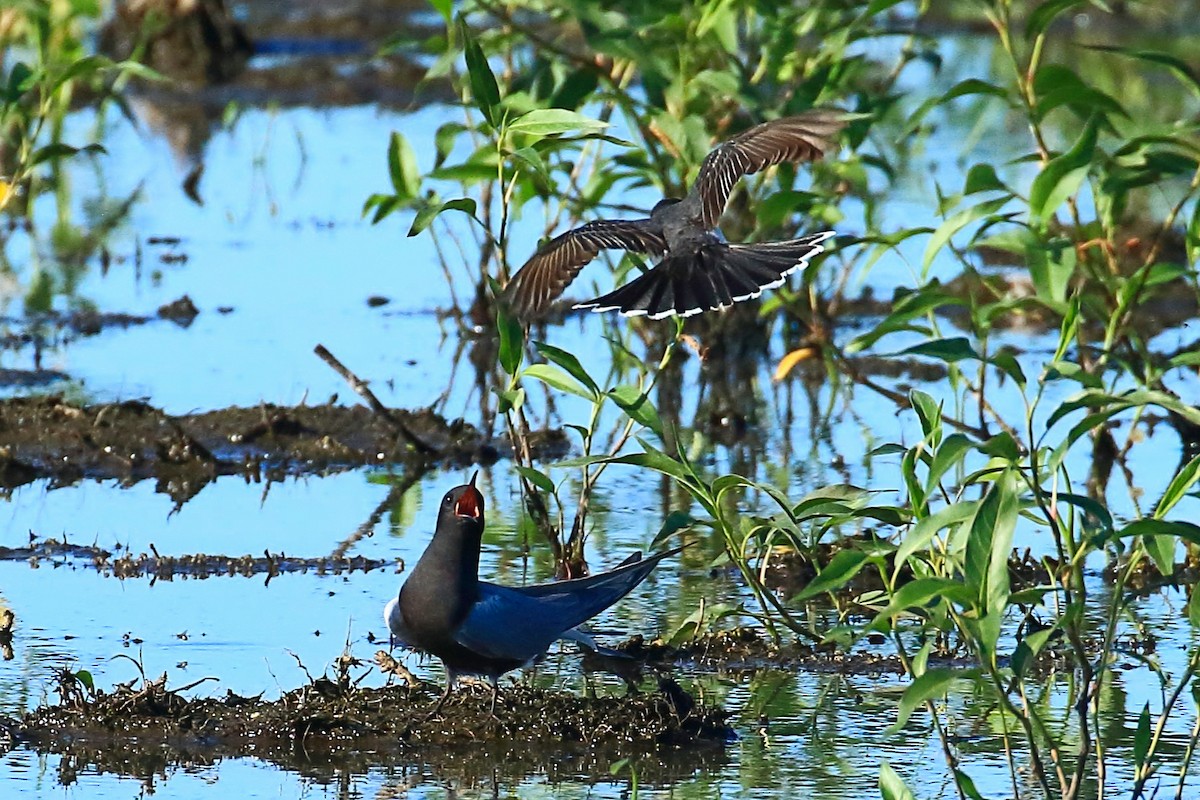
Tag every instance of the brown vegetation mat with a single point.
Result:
(328, 722)
(51, 438)
(154, 565)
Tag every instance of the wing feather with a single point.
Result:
(804, 137)
(552, 268)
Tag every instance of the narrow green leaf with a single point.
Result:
(1051, 267)
(553, 121)
(446, 9)
(948, 350)
(1179, 486)
(891, 785)
(983, 178)
(1044, 14)
(85, 677)
(1162, 551)
(638, 406)
(429, 213)
(1062, 176)
(556, 378)
(919, 594)
(1006, 362)
(484, 89)
(943, 233)
(919, 536)
(950, 452)
(929, 412)
(536, 477)
(676, 521)
(569, 362)
(932, 683)
(402, 167)
(512, 340)
(840, 569)
(1141, 739)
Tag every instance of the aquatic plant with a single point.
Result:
(1096, 205)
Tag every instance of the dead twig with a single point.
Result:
(361, 388)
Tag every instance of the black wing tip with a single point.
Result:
(715, 279)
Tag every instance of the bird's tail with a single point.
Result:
(716, 277)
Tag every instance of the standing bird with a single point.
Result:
(481, 628)
(700, 271)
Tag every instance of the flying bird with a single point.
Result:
(485, 629)
(699, 270)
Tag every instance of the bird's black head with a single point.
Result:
(666, 202)
(462, 509)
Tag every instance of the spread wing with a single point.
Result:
(547, 275)
(804, 137)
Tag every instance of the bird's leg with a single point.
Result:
(451, 677)
(494, 680)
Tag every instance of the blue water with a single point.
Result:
(280, 241)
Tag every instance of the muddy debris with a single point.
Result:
(59, 554)
(328, 720)
(55, 439)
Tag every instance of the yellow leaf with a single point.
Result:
(789, 362)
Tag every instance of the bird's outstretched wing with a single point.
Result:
(547, 275)
(804, 137)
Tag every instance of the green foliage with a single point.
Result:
(1085, 203)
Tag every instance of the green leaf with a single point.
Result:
(431, 212)
(990, 543)
(932, 683)
(446, 9)
(1062, 176)
(510, 399)
(1044, 14)
(1162, 551)
(567, 361)
(891, 785)
(921, 534)
(1179, 486)
(1181, 68)
(948, 350)
(1141, 739)
(949, 453)
(85, 677)
(920, 593)
(1051, 267)
(983, 178)
(552, 121)
(1193, 607)
(402, 167)
(942, 235)
(1030, 646)
(929, 412)
(637, 405)
(1188, 531)
(840, 569)
(676, 521)
(512, 340)
(536, 477)
(484, 89)
(1005, 361)
(558, 379)
(53, 152)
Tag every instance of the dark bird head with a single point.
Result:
(462, 511)
(666, 202)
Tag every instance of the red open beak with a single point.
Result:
(470, 502)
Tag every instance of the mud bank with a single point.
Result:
(51, 438)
